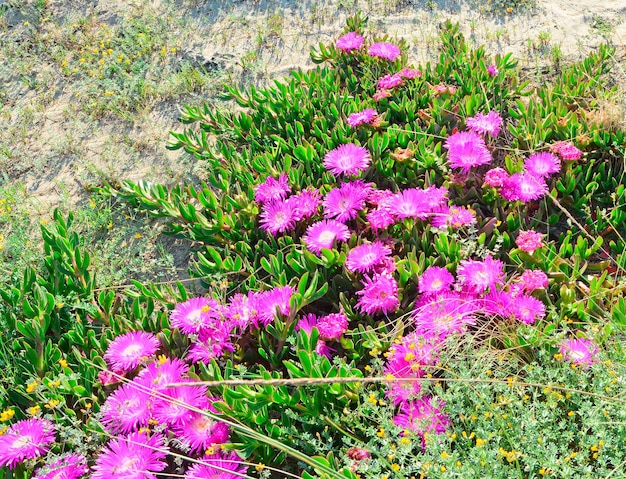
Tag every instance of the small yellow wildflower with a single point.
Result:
(6, 414)
(63, 363)
(137, 235)
(395, 467)
(260, 466)
(31, 386)
(52, 403)
(381, 432)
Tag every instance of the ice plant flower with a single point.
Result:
(360, 117)
(156, 375)
(497, 303)
(533, 279)
(379, 219)
(410, 203)
(363, 258)
(194, 315)
(492, 70)
(350, 41)
(480, 275)
(218, 466)
(491, 123)
(200, 432)
(127, 409)
(443, 314)
(211, 343)
(278, 217)
(384, 50)
(304, 204)
(434, 280)
(136, 456)
(542, 164)
(272, 189)
(465, 150)
(523, 187)
(566, 150)
(453, 217)
(381, 94)
(26, 439)
(529, 241)
(423, 416)
(349, 159)
(173, 408)
(390, 81)
(527, 309)
(128, 350)
(495, 177)
(273, 302)
(379, 295)
(579, 351)
(71, 466)
(323, 234)
(410, 73)
(345, 202)
(332, 326)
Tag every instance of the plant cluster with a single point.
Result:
(411, 271)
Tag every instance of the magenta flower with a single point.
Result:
(358, 454)
(108, 377)
(454, 217)
(362, 117)
(71, 466)
(384, 50)
(349, 159)
(128, 350)
(423, 416)
(524, 187)
(332, 326)
(240, 311)
(444, 314)
(410, 73)
(364, 257)
(492, 70)
(533, 279)
(272, 302)
(480, 275)
(542, 164)
(278, 217)
(305, 204)
(156, 375)
(174, 408)
(529, 241)
(200, 432)
(350, 41)
(495, 177)
(345, 202)
(527, 309)
(434, 280)
(411, 203)
(442, 89)
(272, 189)
(498, 303)
(390, 81)
(127, 409)
(381, 94)
(211, 343)
(379, 219)
(491, 123)
(566, 150)
(323, 234)
(136, 456)
(26, 439)
(218, 466)
(195, 314)
(379, 295)
(579, 351)
(465, 150)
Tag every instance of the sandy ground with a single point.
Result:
(60, 152)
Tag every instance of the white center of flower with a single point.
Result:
(22, 441)
(327, 237)
(202, 425)
(368, 258)
(127, 465)
(577, 354)
(132, 350)
(436, 284)
(195, 316)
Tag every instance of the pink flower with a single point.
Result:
(390, 81)
(26, 439)
(358, 454)
(465, 150)
(492, 70)
(272, 189)
(127, 409)
(269, 302)
(278, 217)
(380, 94)
(174, 408)
(542, 164)
(156, 375)
(379, 219)
(442, 89)
(200, 432)
(498, 303)
(345, 202)
(107, 377)
(434, 280)
(566, 150)
(534, 279)
(240, 311)
(444, 314)
(350, 41)
(410, 73)
(364, 257)
(423, 416)
(380, 295)
(483, 124)
(128, 350)
(323, 234)
(211, 343)
(495, 177)
(529, 241)
(361, 117)
(454, 217)
(136, 456)
(480, 275)
(195, 314)
(349, 159)
(410, 203)
(385, 50)
(527, 309)
(71, 466)
(579, 351)
(523, 187)
(332, 326)
(218, 466)
(305, 204)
